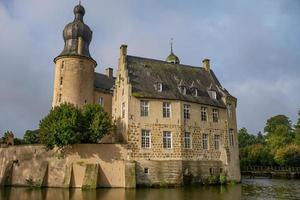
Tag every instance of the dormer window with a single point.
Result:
(195, 92)
(182, 90)
(158, 86)
(212, 94)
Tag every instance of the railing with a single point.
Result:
(270, 169)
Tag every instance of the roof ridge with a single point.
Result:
(156, 60)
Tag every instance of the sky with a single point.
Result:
(254, 47)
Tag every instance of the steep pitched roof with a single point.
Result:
(144, 73)
(103, 83)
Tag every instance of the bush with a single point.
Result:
(96, 123)
(62, 126)
(31, 137)
(223, 179)
(66, 125)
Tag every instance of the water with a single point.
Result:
(250, 189)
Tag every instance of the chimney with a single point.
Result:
(109, 72)
(205, 64)
(123, 50)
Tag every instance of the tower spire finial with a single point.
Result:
(171, 43)
(79, 2)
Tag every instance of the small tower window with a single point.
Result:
(62, 64)
(101, 101)
(59, 97)
(61, 80)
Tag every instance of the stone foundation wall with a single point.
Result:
(175, 172)
(85, 165)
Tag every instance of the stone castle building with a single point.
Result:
(175, 123)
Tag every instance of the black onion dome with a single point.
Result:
(75, 30)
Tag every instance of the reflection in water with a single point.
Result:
(248, 190)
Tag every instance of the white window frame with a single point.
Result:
(196, 92)
(145, 139)
(205, 141)
(166, 109)
(215, 115)
(101, 101)
(144, 108)
(186, 111)
(217, 142)
(204, 114)
(167, 140)
(187, 140)
(159, 87)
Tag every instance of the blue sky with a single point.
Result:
(254, 47)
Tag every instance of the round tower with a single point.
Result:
(74, 67)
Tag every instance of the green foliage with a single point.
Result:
(97, 123)
(245, 139)
(18, 141)
(66, 125)
(31, 137)
(280, 146)
(278, 120)
(288, 156)
(223, 179)
(213, 179)
(62, 126)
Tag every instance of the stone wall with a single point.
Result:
(175, 172)
(84, 165)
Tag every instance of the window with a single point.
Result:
(123, 110)
(215, 115)
(229, 110)
(195, 92)
(146, 170)
(182, 90)
(59, 97)
(159, 87)
(203, 113)
(144, 108)
(186, 111)
(101, 101)
(146, 139)
(61, 80)
(62, 64)
(231, 137)
(205, 141)
(167, 140)
(166, 109)
(187, 140)
(212, 94)
(217, 142)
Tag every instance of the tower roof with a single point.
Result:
(77, 35)
(172, 58)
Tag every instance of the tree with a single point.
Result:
(62, 126)
(255, 154)
(288, 156)
(245, 139)
(260, 138)
(297, 129)
(97, 123)
(281, 137)
(66, 125)
(31, 137)
(275, 121)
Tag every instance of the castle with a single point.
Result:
(175, 122)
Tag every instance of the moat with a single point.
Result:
(248, 190)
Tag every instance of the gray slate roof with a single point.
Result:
(144, 73)
(103, 83)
